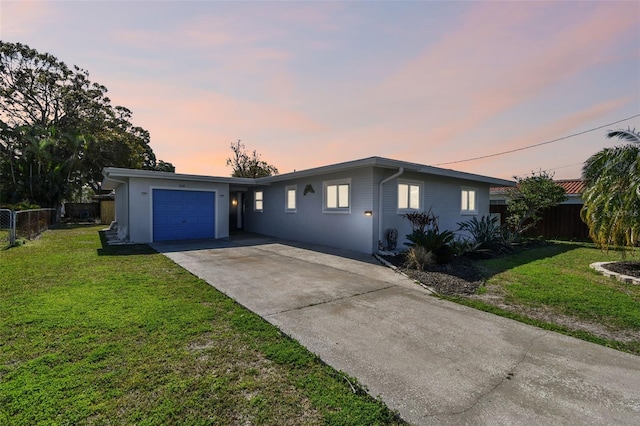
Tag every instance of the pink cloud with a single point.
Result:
(492, 66)
(564, 152)
(21, 18)
(194, 126)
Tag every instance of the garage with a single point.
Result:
(183, 214)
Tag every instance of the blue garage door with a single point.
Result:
(183, 215)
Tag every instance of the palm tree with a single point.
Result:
(612, 195)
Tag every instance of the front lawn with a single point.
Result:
(553, 286)
(123, 335)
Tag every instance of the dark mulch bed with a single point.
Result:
(629, 267)
(456, 277)
(459, 276)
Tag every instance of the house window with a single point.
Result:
(469, 203)
(337, 196)
(258, 203)
(290, 199)
(408, 196)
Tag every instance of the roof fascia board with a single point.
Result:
(332, 168)
(114, 172)
(466, 176)
(386, 163)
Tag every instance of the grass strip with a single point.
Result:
(631, 347)
(556, 278)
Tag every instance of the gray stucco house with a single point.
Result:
(347, 205)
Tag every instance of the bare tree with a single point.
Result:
(248, 165)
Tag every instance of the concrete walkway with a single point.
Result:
(433, 361)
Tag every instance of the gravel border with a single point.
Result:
(455, 278)
(386, 263)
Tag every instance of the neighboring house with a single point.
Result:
(562, 221)
(349, 205)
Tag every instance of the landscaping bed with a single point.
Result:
(628, 267)
(460, 276)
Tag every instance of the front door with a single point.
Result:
(236, 210)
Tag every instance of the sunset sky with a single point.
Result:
(308, 84)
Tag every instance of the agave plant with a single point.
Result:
(486, 232)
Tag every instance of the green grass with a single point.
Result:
(557, 278)
(123, 335)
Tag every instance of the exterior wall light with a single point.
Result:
(234, 202)
(368, 213)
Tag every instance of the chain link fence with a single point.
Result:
(6, 228)
(26, 224)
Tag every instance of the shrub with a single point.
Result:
(486, 232)
(22, 205)
(487, 235)
(435, 242)
(422, 222)
(462, 245)
(419, 258)
(509, 238)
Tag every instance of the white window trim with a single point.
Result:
(255, 200)
(473, 211)
(420, 196)
(338, 210)
(286, 198)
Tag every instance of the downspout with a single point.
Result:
(381, 202)
(126, 185)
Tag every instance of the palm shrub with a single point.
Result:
(612, 194)
(436, 242)
(425, 234)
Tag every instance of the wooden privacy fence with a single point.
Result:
(83, 211)
(558, 222)
(107, 211)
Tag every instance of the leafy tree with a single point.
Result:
(161, 166)
(529, 198)
(612, 195)
(58, 129)
(248, 165)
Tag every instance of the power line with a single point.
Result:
(537, 144)
(564, 167)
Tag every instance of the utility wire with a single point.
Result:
(537, 144)
(564, 167)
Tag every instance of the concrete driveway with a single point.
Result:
(433, 361)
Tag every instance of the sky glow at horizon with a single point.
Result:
(308, 84)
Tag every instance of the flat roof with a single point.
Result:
(113, 176)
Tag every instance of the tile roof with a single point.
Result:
(571, 186)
